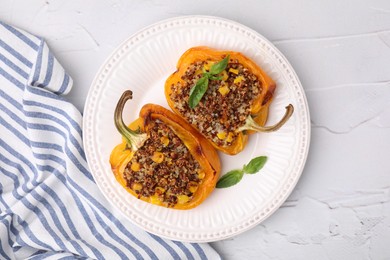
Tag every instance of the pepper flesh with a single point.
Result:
(200, 149)
(259, 107)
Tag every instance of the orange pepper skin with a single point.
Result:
(260, 106)
(202, 151)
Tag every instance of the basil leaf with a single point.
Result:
(216, 77)
(197, 91)
(255, 164)
(229, 179)
(218, 67)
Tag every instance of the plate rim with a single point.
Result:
(254, 219)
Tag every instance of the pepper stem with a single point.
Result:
(133, 139)
(250, 124)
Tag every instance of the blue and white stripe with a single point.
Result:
(50, 207)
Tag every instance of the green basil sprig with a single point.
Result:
(197, 91)
(201, 86)
(255, 165)
(230, 178)
(233, 177)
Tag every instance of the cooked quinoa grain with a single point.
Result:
(226, 104)
(163, 168)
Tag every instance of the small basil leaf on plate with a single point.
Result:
(229, 179)
(197, 91)
(255, 164)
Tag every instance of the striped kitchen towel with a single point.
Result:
(50, 206)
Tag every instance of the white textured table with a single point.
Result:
(340, 208)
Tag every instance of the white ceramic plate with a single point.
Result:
(142, 63)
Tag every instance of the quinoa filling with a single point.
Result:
(226, 104)
(163, 168)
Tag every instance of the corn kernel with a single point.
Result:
(164, 140)
(238, 79)
(198, 72)
(181, 199)
(235, 71)
(208, 65)
(201, 174)
(193, 187)
(224, 75)
(135, 166)
(155, 200)
(221, 135)
(137, 186)
(158, 157)
(230, 137)
(224, 90)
